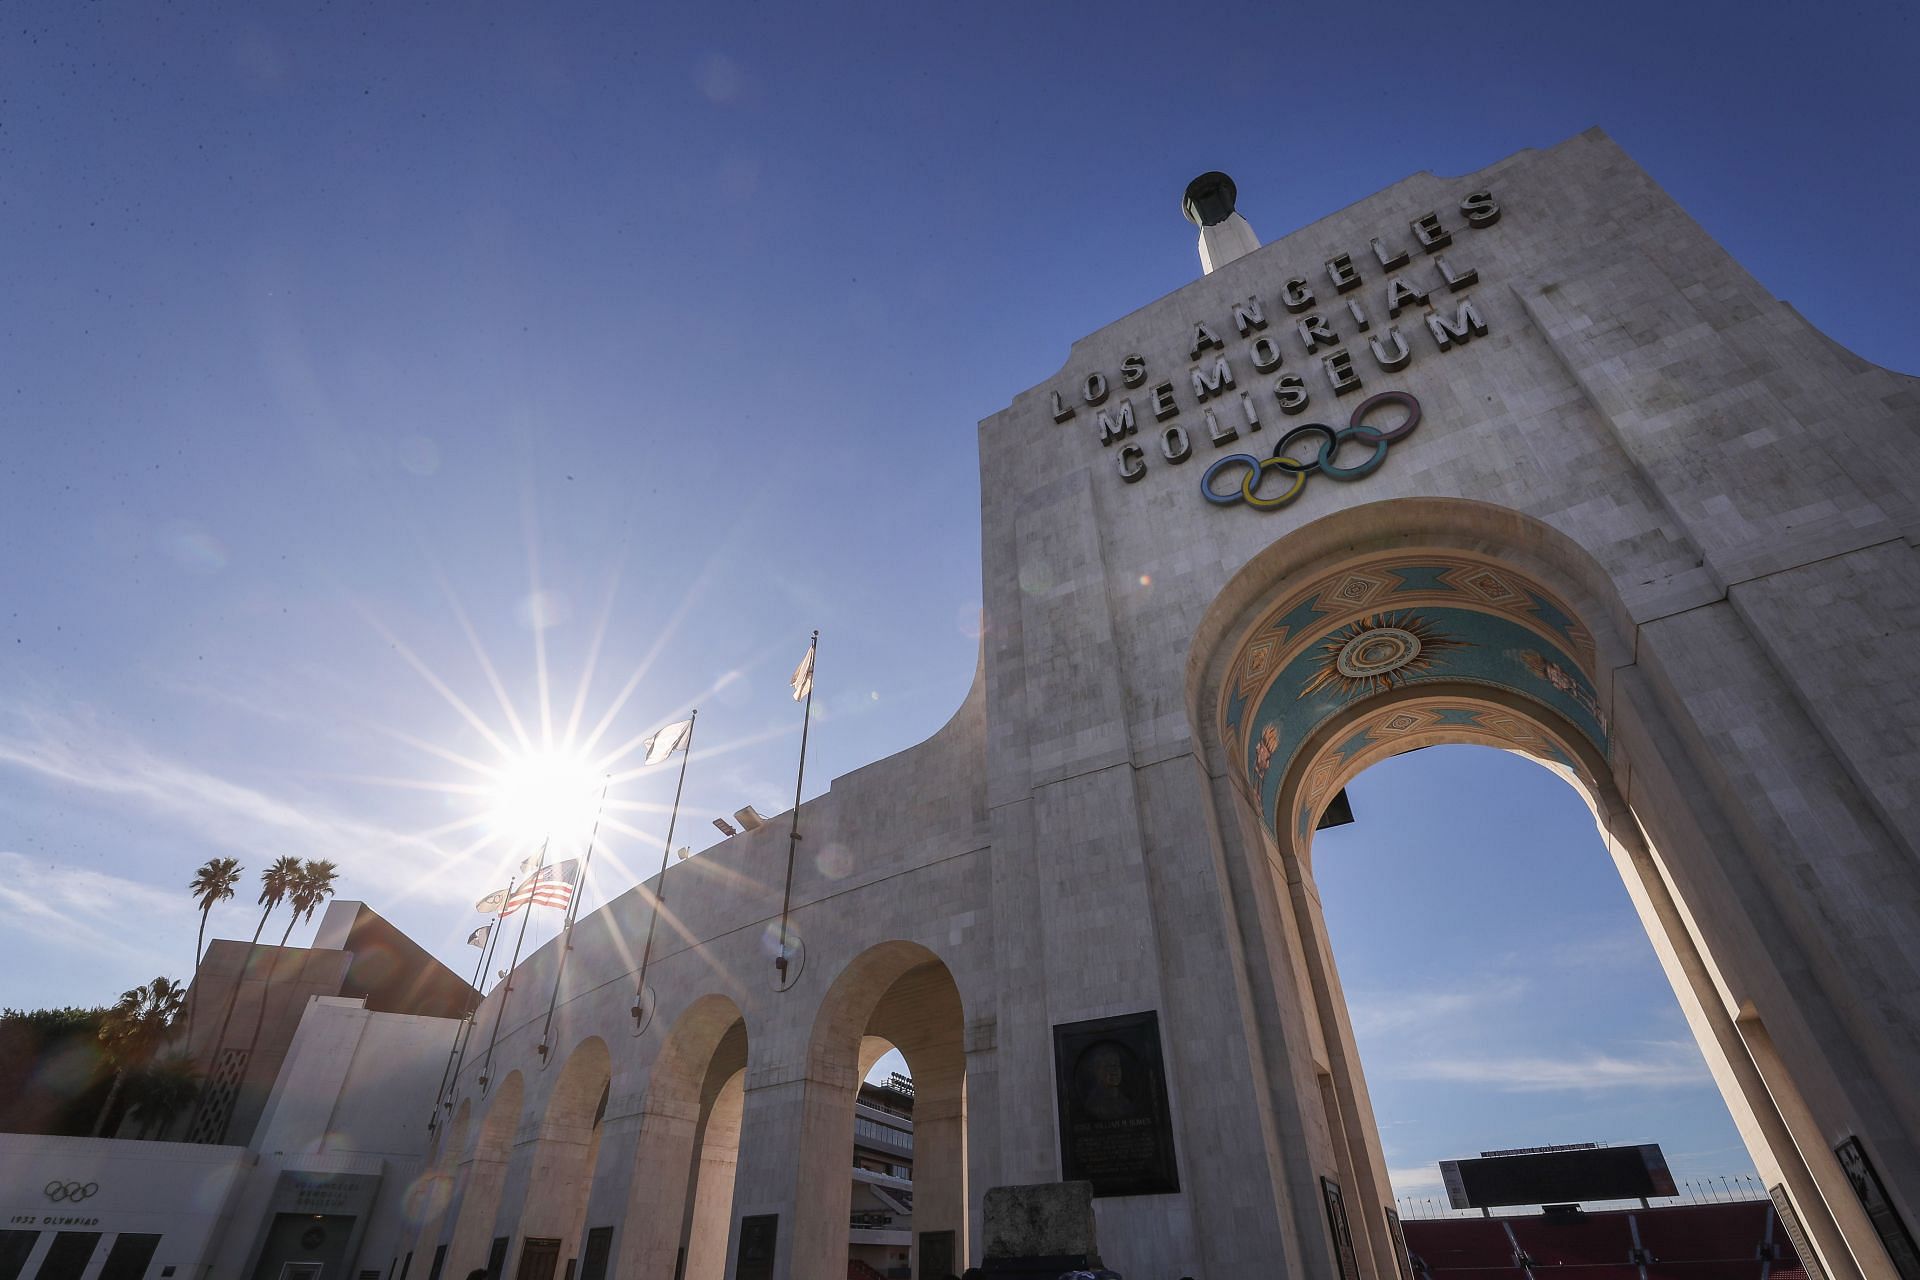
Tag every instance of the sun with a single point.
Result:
(545, 795)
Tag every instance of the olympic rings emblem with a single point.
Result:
(75, 1192)
(1256, 469)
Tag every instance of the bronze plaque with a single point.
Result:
(1342, 1232)
(1885, 1218)
(1115, 1127)
(759, 1237)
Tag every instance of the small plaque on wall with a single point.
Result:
(759, 1241)
(1341, 1230)
(1893, 1233)
(1116, 1130)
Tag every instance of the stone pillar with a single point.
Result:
(650, 1234)
(711, 1211)
(939, 1162)
(473, 1228)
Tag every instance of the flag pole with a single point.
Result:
(660, 883)
(479, 976)
(446, 1072)
(507, 994)
(793, 832)
(573, 912)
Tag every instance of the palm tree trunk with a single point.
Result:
(113, 1095)
(199, 945)
(253, 1042)
(233, 997)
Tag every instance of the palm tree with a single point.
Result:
(213, 883)
(276, 882)
(133, 1029)
(167, 1087)
(311, 885)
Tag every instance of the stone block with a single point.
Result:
(1042, 1220)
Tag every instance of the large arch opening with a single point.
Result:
(1501, 991)
(680, 1208)
(484, 1176)
(1419, 623)
(880, 1223)
(566, 1147)
(895, 995)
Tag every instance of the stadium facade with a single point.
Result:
(1520, 458)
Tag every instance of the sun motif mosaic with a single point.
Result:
(1379, 652)
(1389, 627)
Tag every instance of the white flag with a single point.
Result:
(803, 677)
(666, 741)
(531, 862)
(491, 903)
(478, 938)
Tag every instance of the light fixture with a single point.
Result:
(726, 828)
(749, 818)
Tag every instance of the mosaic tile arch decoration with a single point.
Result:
(1406, 725)
(1391, 626)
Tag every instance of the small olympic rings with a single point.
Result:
(1256, 468)
(1357, 429)
(1329, 439)
(58, 1191)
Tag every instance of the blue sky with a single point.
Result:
(649, 341)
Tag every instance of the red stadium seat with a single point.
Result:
(1705, 1232)
(1450, 1244)
(1600, 1239)
(1745, 1270)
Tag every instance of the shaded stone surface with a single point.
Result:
(1043, 1220)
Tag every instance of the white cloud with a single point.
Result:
(74, 750)
(1376, 1014)
(1664, 1065)
(76, 910)
(1415, 1180)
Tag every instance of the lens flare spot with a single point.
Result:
(720, 78)
(1146, 579)
(770, 938)
(1036, 579)
(194, 548)
(418, 454)
(427, 1197)
(835, 862)
(544, 609)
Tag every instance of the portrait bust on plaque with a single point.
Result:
(1115, 1129)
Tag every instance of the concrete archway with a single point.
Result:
(688, 1147)
(483, 1176)
(1417, 622)
(565, 1149)
(897, 993)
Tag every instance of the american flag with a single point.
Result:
(553, 887)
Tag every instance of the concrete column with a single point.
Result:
(711, 1210)
(939, 1161)
(770, 1171)
(473, 1228)
(650, 1235)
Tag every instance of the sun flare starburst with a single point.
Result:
(545, 795)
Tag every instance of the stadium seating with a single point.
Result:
(1706, 1232)
(1460, 1244)
(1677, 1242)
(1599, 1239)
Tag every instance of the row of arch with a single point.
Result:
(678, 1151)
(1362, 597)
